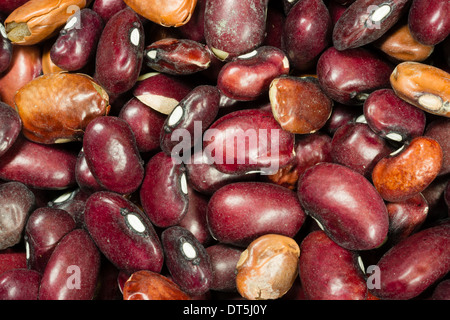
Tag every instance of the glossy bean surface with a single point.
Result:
(19, 284)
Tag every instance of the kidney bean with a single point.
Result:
(44, 229)
(84, 177)
(428, 21)
(107, 8)
(161, 92)
(225, 143)
(48, 66)
(17, 202)
(349, 76)
(365, 21)
(328, 271)
(306, 33)
(120, 52)
(11, 260)
(405, 174)
(5, 49)
(72, 270)
(187, 260)
(439, 130)
(268, 267)
(234, 27)
(422, 85)
(240, 212)
(194, 29)
(336, 9)
(274, 27)
(326, 191)
(248, 76)
(412, 265)
(112, 155)
(77, 41)
(299, 104)
(19, 284)
(442, 291)
(57, 107)
(8, 6)
(164, 190)
(72, 202)
(11, 127)
(224, 258)
(341, 115)
(393, 118)
(39, 166)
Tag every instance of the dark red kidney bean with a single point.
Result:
(187, 260)
(77, 41)
(336, 10)
(112, 155)
(269, 146)
(206, 179)
(414, 264)
(393, 118)
(10, 260)
(342, 114)
(224, 259)
(161, 92)
(8, 6)
(120, 52)
(19, 284)
(16, 202)
(248, 76)
(39, 166)
(73, 202)
(164, 190)
(11, 127)
(107, 8)
(177, 56)
(240, 212)
(122, 232)
(349, 76)
(365, 21)
(83, 175)
(306, 33)
(44, 228)
(356, 146)
(234, 27)
(329, 272)
(6, 49)
(274, 28)
(346, 204)
(406, 217)
(194, 29)
(199, 107)
(72, 270)
(145, 122)
(428, 21)
(441, 291)
(439, 130)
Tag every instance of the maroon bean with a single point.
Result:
(187, 260)
(77, 41)
(393, 118)
(349, 76)
(6, 49)
(83, 174)
(306, 33)
(19, 284)
(428, 21)
(12, 259)
(11, 127)
(336, 10)
(122, 232)
(107, 8)
(194, 29)
(248, 140)
(414, 264)
(356, 146)
(224, 259)
(72, 271)
(8, 6)
(234, 27)
(248, 76)
(16, 203)
(346, 204)
(342, 114)
(274, 28)
(328, 271)
(112, 155)
(199, 107)
(240, 212)
(164, 190)
(120, 52)
(439, 129)
(44, 228)
(365, 21)
(73, 202)
(39, 166)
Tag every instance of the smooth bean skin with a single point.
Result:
(122, 232)
(11, 127)
(107, 8)
(84, 177)
(412, 265)
(329, 272)
(112, 155)
(240, 212)
(120, 52)
(77, 41)
(325, 192)
(194, 29)
(187, 260)
(19, 284)
(72, 202)
(75, 256)
(224, 259)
